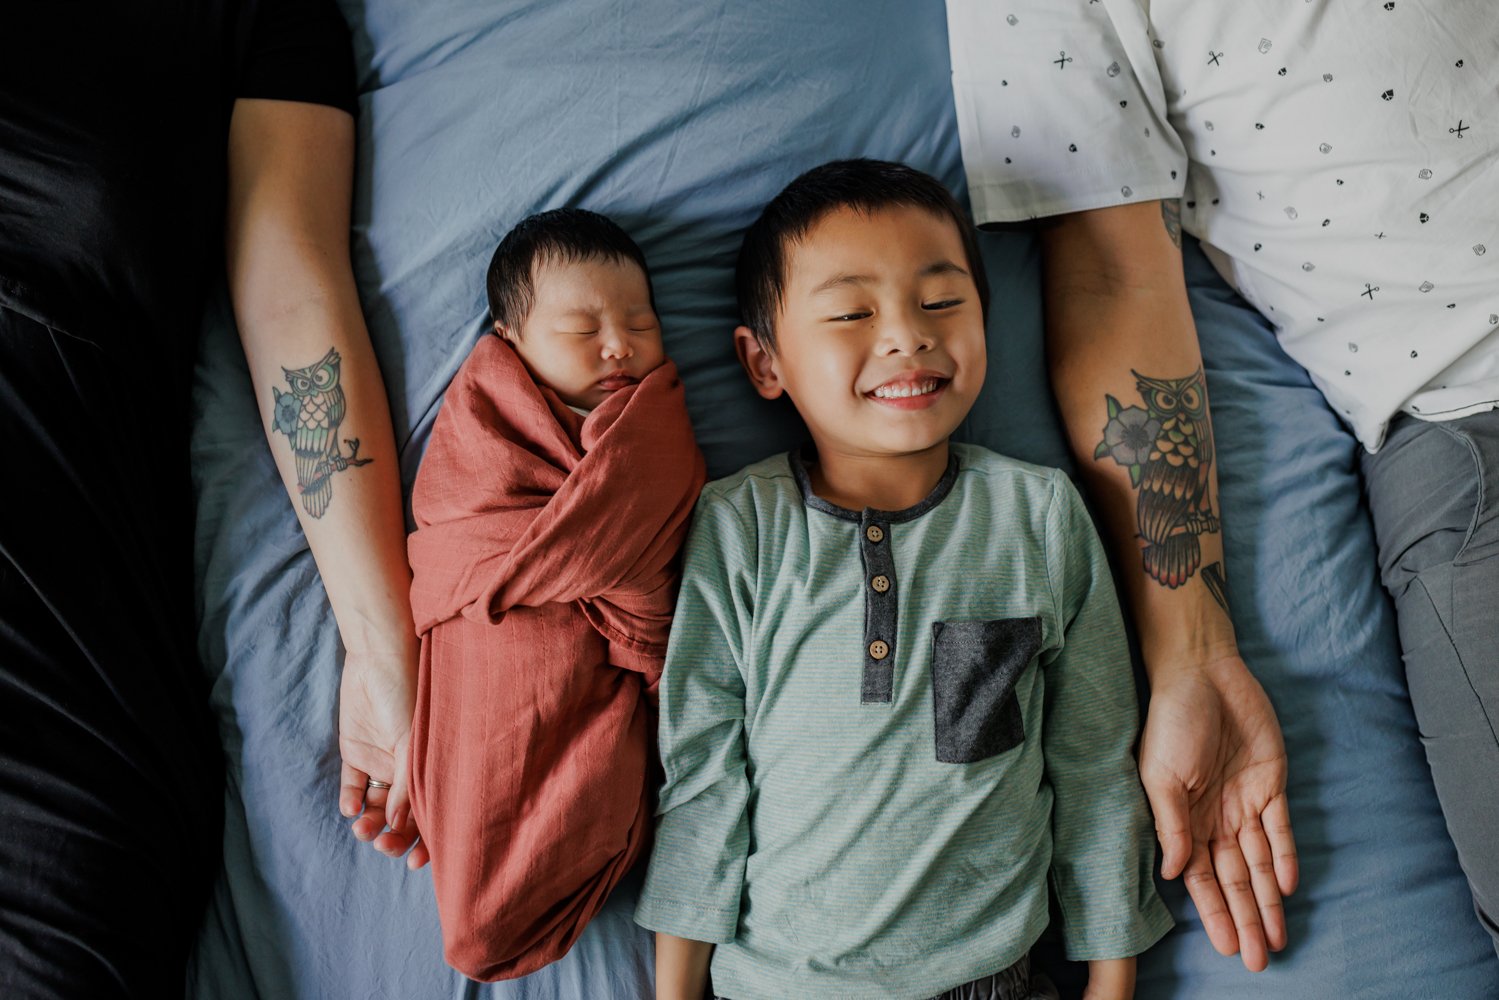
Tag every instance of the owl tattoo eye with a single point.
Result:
(310, 416)
(1167, 446)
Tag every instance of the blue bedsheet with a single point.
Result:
(680, 119)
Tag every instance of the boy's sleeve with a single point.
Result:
(696, 870)
(1061, 107)
(1103, 844)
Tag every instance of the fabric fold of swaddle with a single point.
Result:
(544, 576)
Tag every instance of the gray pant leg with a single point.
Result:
(1434, 493)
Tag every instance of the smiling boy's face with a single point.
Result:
(879, 335)
(591, 330)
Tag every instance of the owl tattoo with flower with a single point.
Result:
(1167, 446)
(310, 415)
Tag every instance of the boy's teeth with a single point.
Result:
(903, 391)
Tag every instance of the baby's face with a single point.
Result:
(591, 330)
(880, 334)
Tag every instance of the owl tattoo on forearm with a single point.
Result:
(1167, 446)
(310, 416)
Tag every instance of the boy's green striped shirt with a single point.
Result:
(848, 824)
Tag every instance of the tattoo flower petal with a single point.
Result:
(286, 411)
(1130, 434)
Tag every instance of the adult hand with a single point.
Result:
(377, 698)
(1214, 768)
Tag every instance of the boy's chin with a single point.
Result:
(902, 435)
(905, 449)
(880, 446)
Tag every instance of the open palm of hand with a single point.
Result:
(377, 696)
(1214, 768)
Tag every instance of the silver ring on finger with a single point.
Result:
(377, 783)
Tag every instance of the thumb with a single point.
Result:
(398, 807)
(1173, 823)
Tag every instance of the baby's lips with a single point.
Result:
(618, 381)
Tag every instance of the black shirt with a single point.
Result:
(113, 149)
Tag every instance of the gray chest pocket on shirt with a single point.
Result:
(974, 669)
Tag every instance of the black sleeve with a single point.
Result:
(298, 50)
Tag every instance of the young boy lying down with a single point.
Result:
(550, 507)
(898, 702)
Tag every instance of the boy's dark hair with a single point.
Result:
(563, 235)
(864, 185)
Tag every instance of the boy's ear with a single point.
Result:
(758, 363)
(504, 331)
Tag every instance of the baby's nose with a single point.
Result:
(616, 345)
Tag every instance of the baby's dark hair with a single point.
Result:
(563, 235)
(864, 185)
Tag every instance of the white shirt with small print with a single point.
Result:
(1339, 162)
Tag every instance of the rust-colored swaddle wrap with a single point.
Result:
(545, 573)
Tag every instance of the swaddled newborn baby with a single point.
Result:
(550, 507)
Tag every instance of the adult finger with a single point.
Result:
(1277, 820)
(397, 840)
(395, 843)
(372, 820)
(1202, 886)
(398, 805)
(1261, 863)
(419, 856)
(1173, 823)
(1233, 877)
(351, 785)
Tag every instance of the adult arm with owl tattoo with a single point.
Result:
(1127, 371)
(324, 407)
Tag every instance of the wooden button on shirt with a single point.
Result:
(879, 649)
(880, 584)
(874, 533)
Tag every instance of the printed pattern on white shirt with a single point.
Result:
(1344, 165)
